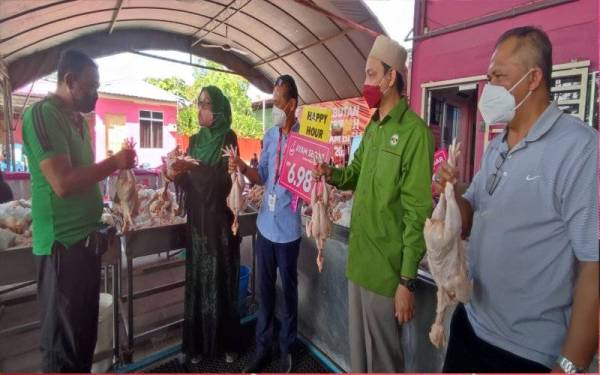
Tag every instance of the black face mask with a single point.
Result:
(86, 103)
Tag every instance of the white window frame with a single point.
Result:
(151, 119)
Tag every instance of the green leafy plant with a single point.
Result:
(233, 86)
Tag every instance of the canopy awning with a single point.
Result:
(324, 54)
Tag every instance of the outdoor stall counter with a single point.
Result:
(323, 307)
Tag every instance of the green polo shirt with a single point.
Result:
(49, 130)
(391, 178)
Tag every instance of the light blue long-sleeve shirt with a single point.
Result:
(281, 225)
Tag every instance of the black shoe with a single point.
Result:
(260, 361)
(285, 363)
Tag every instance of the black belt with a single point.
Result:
(97, 241)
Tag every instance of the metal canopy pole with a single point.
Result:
(8, 115)
(186, 63)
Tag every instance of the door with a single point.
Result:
(116, 132)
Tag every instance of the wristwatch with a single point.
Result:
(410, 284)
(567, 366)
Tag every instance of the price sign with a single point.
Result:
(299, 159)
(439, 157)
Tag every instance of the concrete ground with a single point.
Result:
(19, 352)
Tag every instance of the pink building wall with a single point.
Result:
(572, 28)
(130, 108)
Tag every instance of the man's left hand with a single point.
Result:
(404, 303)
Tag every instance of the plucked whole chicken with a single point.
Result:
(319, 225)
(178, 163)
(235, 201)
(127, 193)
(446, 254)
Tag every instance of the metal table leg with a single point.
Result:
(127, 353)
(115, 274)
(253, 303)
(130, 335)
(106, 278)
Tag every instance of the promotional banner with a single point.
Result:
(349, 119)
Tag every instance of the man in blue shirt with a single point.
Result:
(279, 232)
(532, 215)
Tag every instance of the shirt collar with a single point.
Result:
(295, 129)
(541, 126)
(395, 114)
(76, 117)
(58, 103)
(544, 123)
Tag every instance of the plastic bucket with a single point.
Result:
(105, 332)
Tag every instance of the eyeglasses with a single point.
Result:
(494, 179)
(205, 105)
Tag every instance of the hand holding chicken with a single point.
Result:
(235, 200)
(319, 226)
(446, 254)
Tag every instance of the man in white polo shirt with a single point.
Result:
(533, 249)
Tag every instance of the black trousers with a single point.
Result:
(468, 353)
(68, 293)
(272, 256)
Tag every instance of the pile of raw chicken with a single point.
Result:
(15, 224)
(136, 207)
(146, 208)
(340, 207)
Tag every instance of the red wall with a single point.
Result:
(572, 28)
(248, 147)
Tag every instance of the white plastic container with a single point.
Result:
(105, 332)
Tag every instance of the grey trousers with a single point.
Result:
(375, 344)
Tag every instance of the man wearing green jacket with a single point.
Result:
(391, 178)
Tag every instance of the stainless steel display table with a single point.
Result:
(156, 240)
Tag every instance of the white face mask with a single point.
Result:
(278, 116)
(497, 104)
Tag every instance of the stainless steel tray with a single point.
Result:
(17, 265)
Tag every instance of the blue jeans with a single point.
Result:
(270, 257)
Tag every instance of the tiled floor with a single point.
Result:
(303, 360)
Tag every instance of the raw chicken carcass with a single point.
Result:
(127, 193)
(319, 226)
(8, 239)
(15, 216)
(163, 206)
(235, 200)
(446, 254)
(255, 196)
(178, 163)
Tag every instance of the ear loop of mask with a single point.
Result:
(388, 87)
(516, 84)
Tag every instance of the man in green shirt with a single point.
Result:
(66, 210)
(391, 178)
